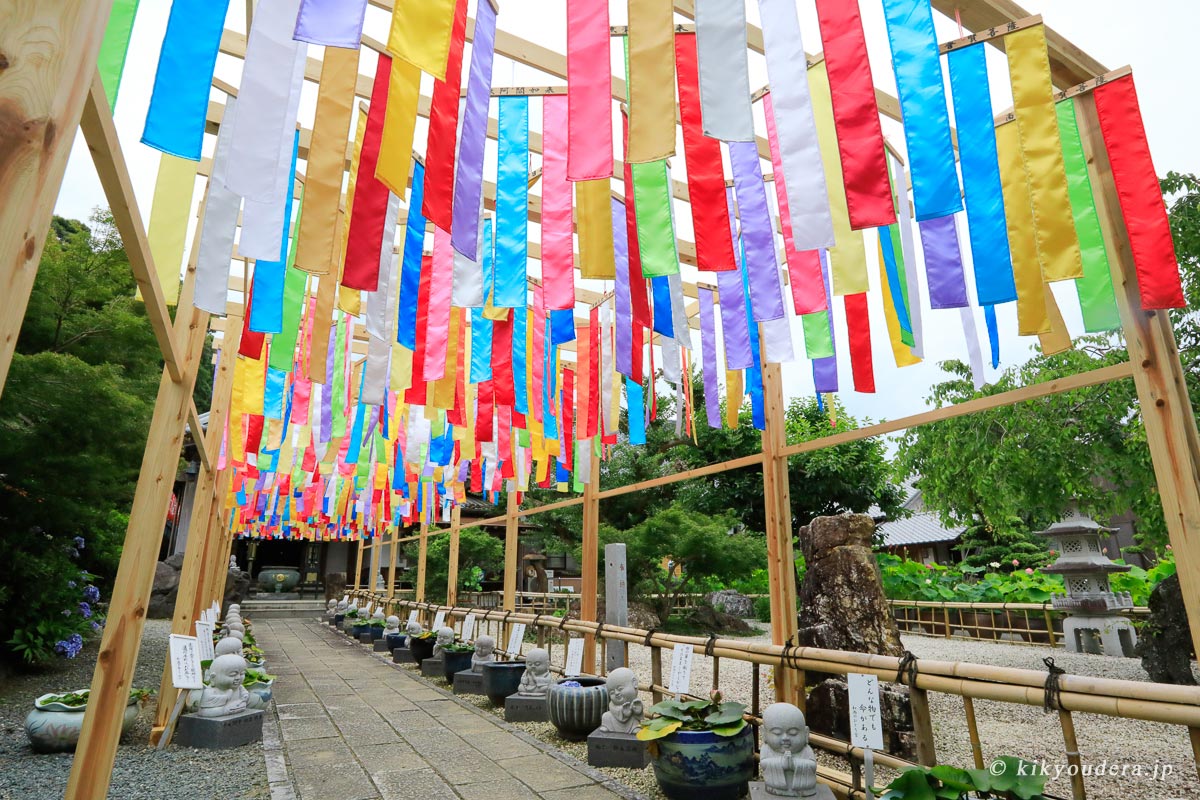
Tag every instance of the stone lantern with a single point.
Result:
(1095, 624)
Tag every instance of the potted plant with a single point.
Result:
(375, 628)
(259, 683)
(700, 748)
(421, 645)
(395, 640)
(576, 706)
(54, 724)
(501, 679)
(456, 657)
(349, 619)
(1007, 777)
(255, 658)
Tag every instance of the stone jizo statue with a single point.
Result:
(342, 606)
(378, 614)
(485, 653)
(788, 765)
(392, 628)
(229, 646)
(235, 626)
(537, 678)
(235, 634)
(413, 628)
(625, 709)
(224, 694)
(331, 608)
(233, 565)
(445, 636)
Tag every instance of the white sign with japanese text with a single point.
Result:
(866, 721)
(681, 669)
(439, 619)
(204, 638)
(412, 615)
(186, 672)
(468, 628)
(516, 638)
(574, 658)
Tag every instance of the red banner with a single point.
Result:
(438, 204)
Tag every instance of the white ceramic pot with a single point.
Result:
(54, 728)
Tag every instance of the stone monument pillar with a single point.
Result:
(616, 602)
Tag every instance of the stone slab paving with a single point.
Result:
(350, 725)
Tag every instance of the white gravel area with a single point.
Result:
(140, 772)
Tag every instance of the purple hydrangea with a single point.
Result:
(85, 610)
(71, 584)
(69, 647)
(79, 543)
(96, 625)
(91, 594)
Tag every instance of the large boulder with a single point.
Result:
(641, 616)
(1165, 642)
(237, 587)
(731, 602)
(165, 588)
(828, 711)
(714, 620)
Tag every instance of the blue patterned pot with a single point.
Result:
(455, 662)
(691, 764)
(262, 689)
(576, 710)
(55, 728)
(502, 678)
(359, 630)
(395, 640)
(376, 632)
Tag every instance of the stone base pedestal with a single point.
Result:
(758, 791)
(1110, 636)
(623, 750)
(468, 682)
(431, 667)
(218, 733)
(402, 655)
(526, 709)
(365, 638)
(381, 646)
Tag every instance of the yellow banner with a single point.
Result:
(848, 259)
(399, 122)
(169, 220)
(1057, 339)
(733, 397)
(420, 34)
(900, 351)
(1018, 212)
(1041, 152)
(593, 209)
(651, 83)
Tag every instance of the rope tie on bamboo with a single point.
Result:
(599, 630)
(649, 635)
(562, 621)
(710, 644)
(906, 671)
(787, 655)
(1053, 698)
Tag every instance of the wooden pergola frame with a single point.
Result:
(45, 98)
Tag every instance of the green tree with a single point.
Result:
(479, 554)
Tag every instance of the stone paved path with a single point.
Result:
(353, 727)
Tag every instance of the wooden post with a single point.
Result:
(509, 602)
(973, 732)
(202, 546)
(1078, 792)
(589, 569)
(394, 554)
(358, 565)
(422, 554)
(922, 726)
(452, 578)
(48, 52)
(1157, 373)
(92, 767)
(375, 575)
(781, 563)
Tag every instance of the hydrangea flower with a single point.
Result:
(71, 584)
(96, 625)
(69, 647)
(79, 543)
(91, 594)
(85, 610)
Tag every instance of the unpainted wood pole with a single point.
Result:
(1163, 401)
(1078, 791)
(973, 732)
(376, 552)
(422, 555)
(48, 52)
(361, 545)
(590, 566)
(452, 578)
(922, 726)
(509, 601)
(781, 567)
(394, 555)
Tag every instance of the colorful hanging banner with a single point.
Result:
(909, 252)
(399, 124)
(438, 321)
(758, 235)
(1041, 151)
(319, 243)
(702, 156)
(421, 33)
(981, 176)
(650, 80)
(1139, 194)
(708, 350)
(368, 215)
(468, 177)
(169, 214)
(179, 104)
(217, 230)
(284, 343)
(266, 314)
(512, 203)
(558, 248)
(800, 153)
(655, 225)
(333, 23)
(379, 318)
(855, 115)
(893, 306)
(943, 263)
(724, 72)
(1018, 213)
(623, 333)
(410, 267)
(443, 126)
(824, 368)
(115, 46)
(594, 220)
(589, 92)
(858, 327)
(919, 84)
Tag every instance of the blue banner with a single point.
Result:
(512, 200)
(637, 412)
(661, 293)
(266, 312)
(410, 269)
(519, 328)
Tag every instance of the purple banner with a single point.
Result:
(624, 324)
(708, 349)
(825, 376)
(327, 389)
(334, 23)
(943, 263)
(734, 326)
(758, 238)
(468, 178)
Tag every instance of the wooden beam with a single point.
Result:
(48, 52)
(452, 578)
(590, 566)
(358, 566)
(91, 770)
(422, 556)
(198, 436)
(394, 552)
(990, 34)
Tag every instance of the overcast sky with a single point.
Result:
(1157, 41)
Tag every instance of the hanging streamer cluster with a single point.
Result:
(469, 383)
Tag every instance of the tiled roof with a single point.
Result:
(923, 528)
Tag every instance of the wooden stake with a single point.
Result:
(422, 554)
(512, 507)
(1158, 375)
(452, 578)
(922, 726)
(48, 52)
(394, 555)
(373, 578)
(589, 569)
(358, 565)
(1078, 792)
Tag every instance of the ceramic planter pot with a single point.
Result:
(55, 728)
(359, 630)
(262, 689)
(455, 662)
(376, 632)
(395, 640)
(278, 579)
(502, 678)
(690, 764)
(348, 623)
(576, 710)
(421, 649)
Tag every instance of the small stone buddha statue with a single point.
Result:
(485, 653)
(233, 633)
(235, 626)
(224, 694)
(625, 709)
(413, 628)
(342, 606)
(392, 626)
(229, 646)
(445, 636)
(536, 680)
(378, 614)
(331, 609)
(788, 765)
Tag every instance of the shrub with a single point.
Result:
(67, 602)
(762, 609)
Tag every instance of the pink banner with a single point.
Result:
(558, 247)
(589, 91)
(437, 329)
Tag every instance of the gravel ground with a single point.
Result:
(140, 773)
(1161, 752)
